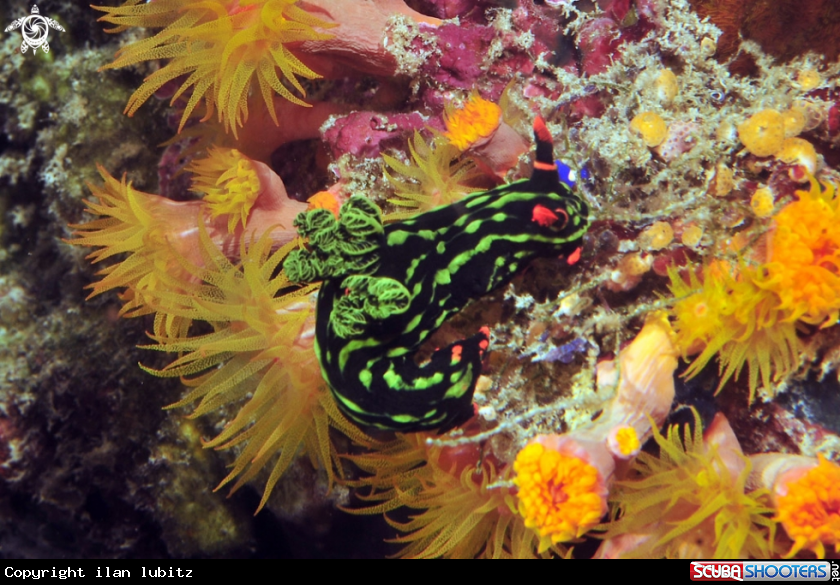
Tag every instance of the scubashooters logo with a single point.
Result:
(764, 571)
(35, 30)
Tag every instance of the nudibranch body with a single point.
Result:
(387, 288)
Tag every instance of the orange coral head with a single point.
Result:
(479, 130)
(808, 506)
(562, 494)
(476, 121)
(803, 266)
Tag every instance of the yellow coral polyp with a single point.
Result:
(219, 47)
(810, 510)
(763, 133)
(762, 202)
(808, 79)
(794, 121)
(798, 151)
(558, 494)
(229, 182)
(656, 237)
(477, 119)
(651, 127)
(624, 441)
(666, 86)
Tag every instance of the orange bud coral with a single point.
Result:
(804, 257)
(810, 509)
(806, 493)
(477, 119)
(560, 496)
(478, 128)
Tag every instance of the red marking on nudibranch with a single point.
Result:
(347, 292)
(541, 130)
(484, 342)
(573, 257)
(543, 215)
(541, 166)
(456, 353)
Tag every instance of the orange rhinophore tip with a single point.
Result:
(541, 130)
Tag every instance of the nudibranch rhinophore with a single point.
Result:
(386, 289)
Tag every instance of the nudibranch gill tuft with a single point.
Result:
(386, 289)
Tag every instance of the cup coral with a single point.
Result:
(726, 312)
(462, 516)
(748, 313)
(439, 176)
(159, 234)
(806, 495)
(221, 46)
(259, 353)
(690, 501)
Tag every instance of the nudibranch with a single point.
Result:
(386, 289)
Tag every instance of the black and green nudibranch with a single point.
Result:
(387, 288)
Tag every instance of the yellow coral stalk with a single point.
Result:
(219, 46)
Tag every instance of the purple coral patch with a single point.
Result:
(365, 134)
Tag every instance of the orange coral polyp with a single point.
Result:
(810, 510)
(804, 255)
(477, 119)
(559, 495)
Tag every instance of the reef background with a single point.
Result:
(90, 464)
